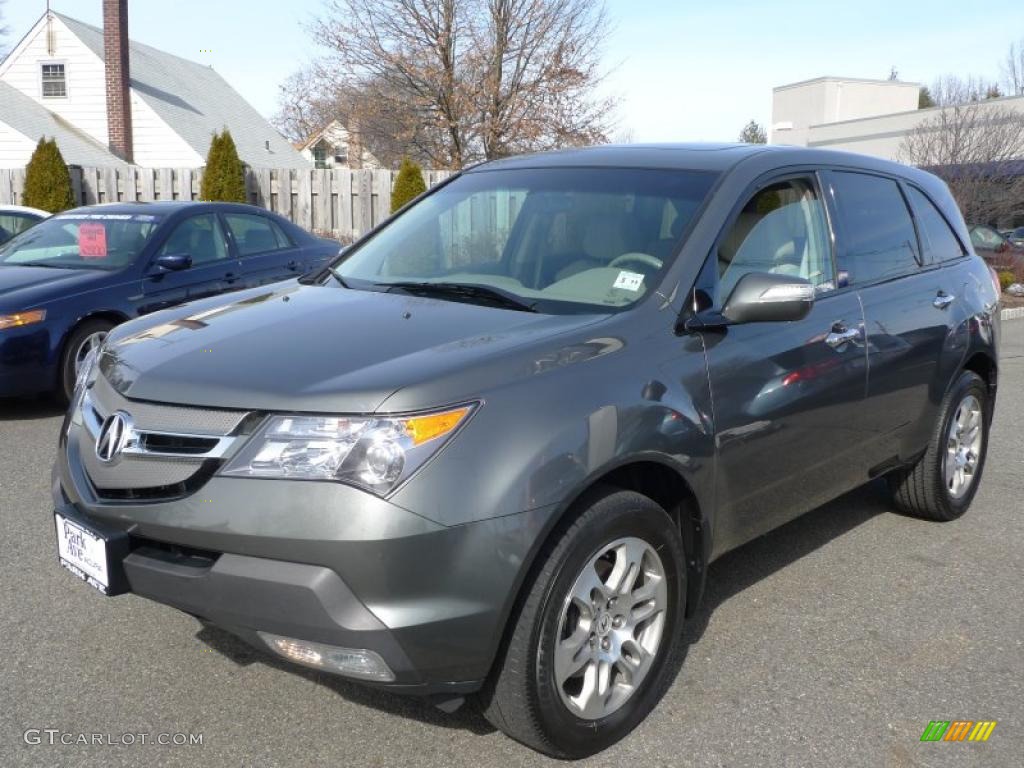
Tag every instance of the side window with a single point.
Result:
(937, 239)
(782, 230)
(12, 224)
(879, 234)
(255, 234)
(201, 237)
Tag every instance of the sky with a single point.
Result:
(683, 71)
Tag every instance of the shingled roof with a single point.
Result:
(196, 102)
(32, 119)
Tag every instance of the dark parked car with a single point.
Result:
(1015, 236)
(495, 447)
(991, 244)
(67, 281)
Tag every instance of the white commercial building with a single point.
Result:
(871, 117)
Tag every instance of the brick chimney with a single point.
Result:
(115, 55)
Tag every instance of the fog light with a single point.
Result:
(352, 662)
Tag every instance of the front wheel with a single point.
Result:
(942, 484)
(83, 340)
(598, 637)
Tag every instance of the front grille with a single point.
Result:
(161, 443)
(177, 554)
(169, 451)
(168, 492)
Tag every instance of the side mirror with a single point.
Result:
(762, 297)
(173, 262)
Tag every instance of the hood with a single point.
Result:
(316, 348)
(25, 287)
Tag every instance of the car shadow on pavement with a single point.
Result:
(758, 559)
(728, 576)
(468, 717)
(26, 408)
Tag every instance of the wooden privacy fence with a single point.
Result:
(340, 201)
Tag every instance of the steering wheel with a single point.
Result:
(636, 258)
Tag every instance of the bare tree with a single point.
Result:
(951, 89)
(4, 32)
(449, 82)
(411, 55)
(623, 135)
(302, 107)
(539, 63)
(753, 133)
(1013, 69)
(977, 149)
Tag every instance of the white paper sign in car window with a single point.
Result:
(629, 281)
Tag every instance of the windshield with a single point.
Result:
(560, 239)
(81, 241)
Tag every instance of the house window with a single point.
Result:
(54, 84)
(320, 154)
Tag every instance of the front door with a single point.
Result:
(213, 269)
(786, 396)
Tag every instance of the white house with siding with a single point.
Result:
(56, 83)
(334, 147)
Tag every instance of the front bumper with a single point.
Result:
(26, 361)
(327, 563)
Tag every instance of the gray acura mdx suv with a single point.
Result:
(493, 448)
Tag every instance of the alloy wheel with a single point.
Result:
(963, 447)
(610, 629)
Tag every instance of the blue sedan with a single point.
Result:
(67, 281)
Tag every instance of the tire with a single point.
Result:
(75, 348)
(524, 697)
(930, 489)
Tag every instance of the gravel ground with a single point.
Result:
(832, 641)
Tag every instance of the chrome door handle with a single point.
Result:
(841, 336)
(943, 300)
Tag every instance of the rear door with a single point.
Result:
(787, 396)
(213, 269)
(265, 251)
(910, 308)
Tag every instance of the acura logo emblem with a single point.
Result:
(114, 436)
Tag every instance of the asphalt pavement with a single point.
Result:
(832, 641)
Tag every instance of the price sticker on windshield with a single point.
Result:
(629, 281)
(92, 240)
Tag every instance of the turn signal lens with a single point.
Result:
(424, 428)
(19, 319)
(352, 662)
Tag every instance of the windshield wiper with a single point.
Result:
(37, 264)
(339, 278)
(481, 293)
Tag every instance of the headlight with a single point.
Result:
(19, 319)
(375, 453)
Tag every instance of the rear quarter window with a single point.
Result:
(879, 239)
(938, 242)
